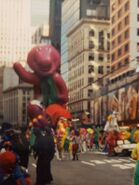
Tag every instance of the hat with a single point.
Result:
(7, 160)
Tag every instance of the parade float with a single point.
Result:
(50, 91)
(126, 140)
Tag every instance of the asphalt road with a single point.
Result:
(91, 169)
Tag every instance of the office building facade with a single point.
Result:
(88, 60)
(15, 35)
(72, 12)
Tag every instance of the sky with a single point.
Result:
(39, 12)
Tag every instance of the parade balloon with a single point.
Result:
(55, 111)
(44, 61)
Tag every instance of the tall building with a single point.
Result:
(88, 60)
(41, 35)
(15, 102)
(55, 23)
(124, 37)
(15, 37)
(72, 12)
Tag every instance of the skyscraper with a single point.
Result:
(55, 22)
(15, 38)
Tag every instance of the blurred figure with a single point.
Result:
(21, 147)
(45, 149)
(75, 144)
(111, 130)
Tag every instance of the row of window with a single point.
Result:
(120, 51)
(78, 84)
(120, 64)
(126, 6)
(120, 77)
(120, 25)
(122, 37)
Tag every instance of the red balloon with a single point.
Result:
(55, 111)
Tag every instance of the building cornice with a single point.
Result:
(20, 86)
(89, 21)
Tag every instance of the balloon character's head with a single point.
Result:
(44, 60)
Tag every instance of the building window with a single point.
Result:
(91, 56)
(126, 61)
(108, 46)
(138, 17)
(119, 13)
(126, 34)
(138, 31)
(90, 80)
(101, 40)
(90, 69)
(127, 6)
(119, 26)
(113, 44)
(100, 57)
(119, 64)
(113, 19)
(113, 68)
(119, 52)
(126, 47)
(90, 93)
(100, 70)
(113, 57)
(119, 39)
(138, 47)
(113, 31)
(91, 33)
(126, 20)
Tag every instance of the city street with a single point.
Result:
(91, 169)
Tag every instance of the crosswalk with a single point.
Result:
(116, 163)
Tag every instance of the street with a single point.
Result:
(91, 169)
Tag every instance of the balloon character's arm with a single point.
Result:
(26, 75)
(62, 89)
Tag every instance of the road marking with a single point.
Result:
(124, 160)
(112, 161)
(97, 161)
(132, 165)
(102, 153)
(121, 166)
(84, 162)
(34, 165)
(120, 163)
